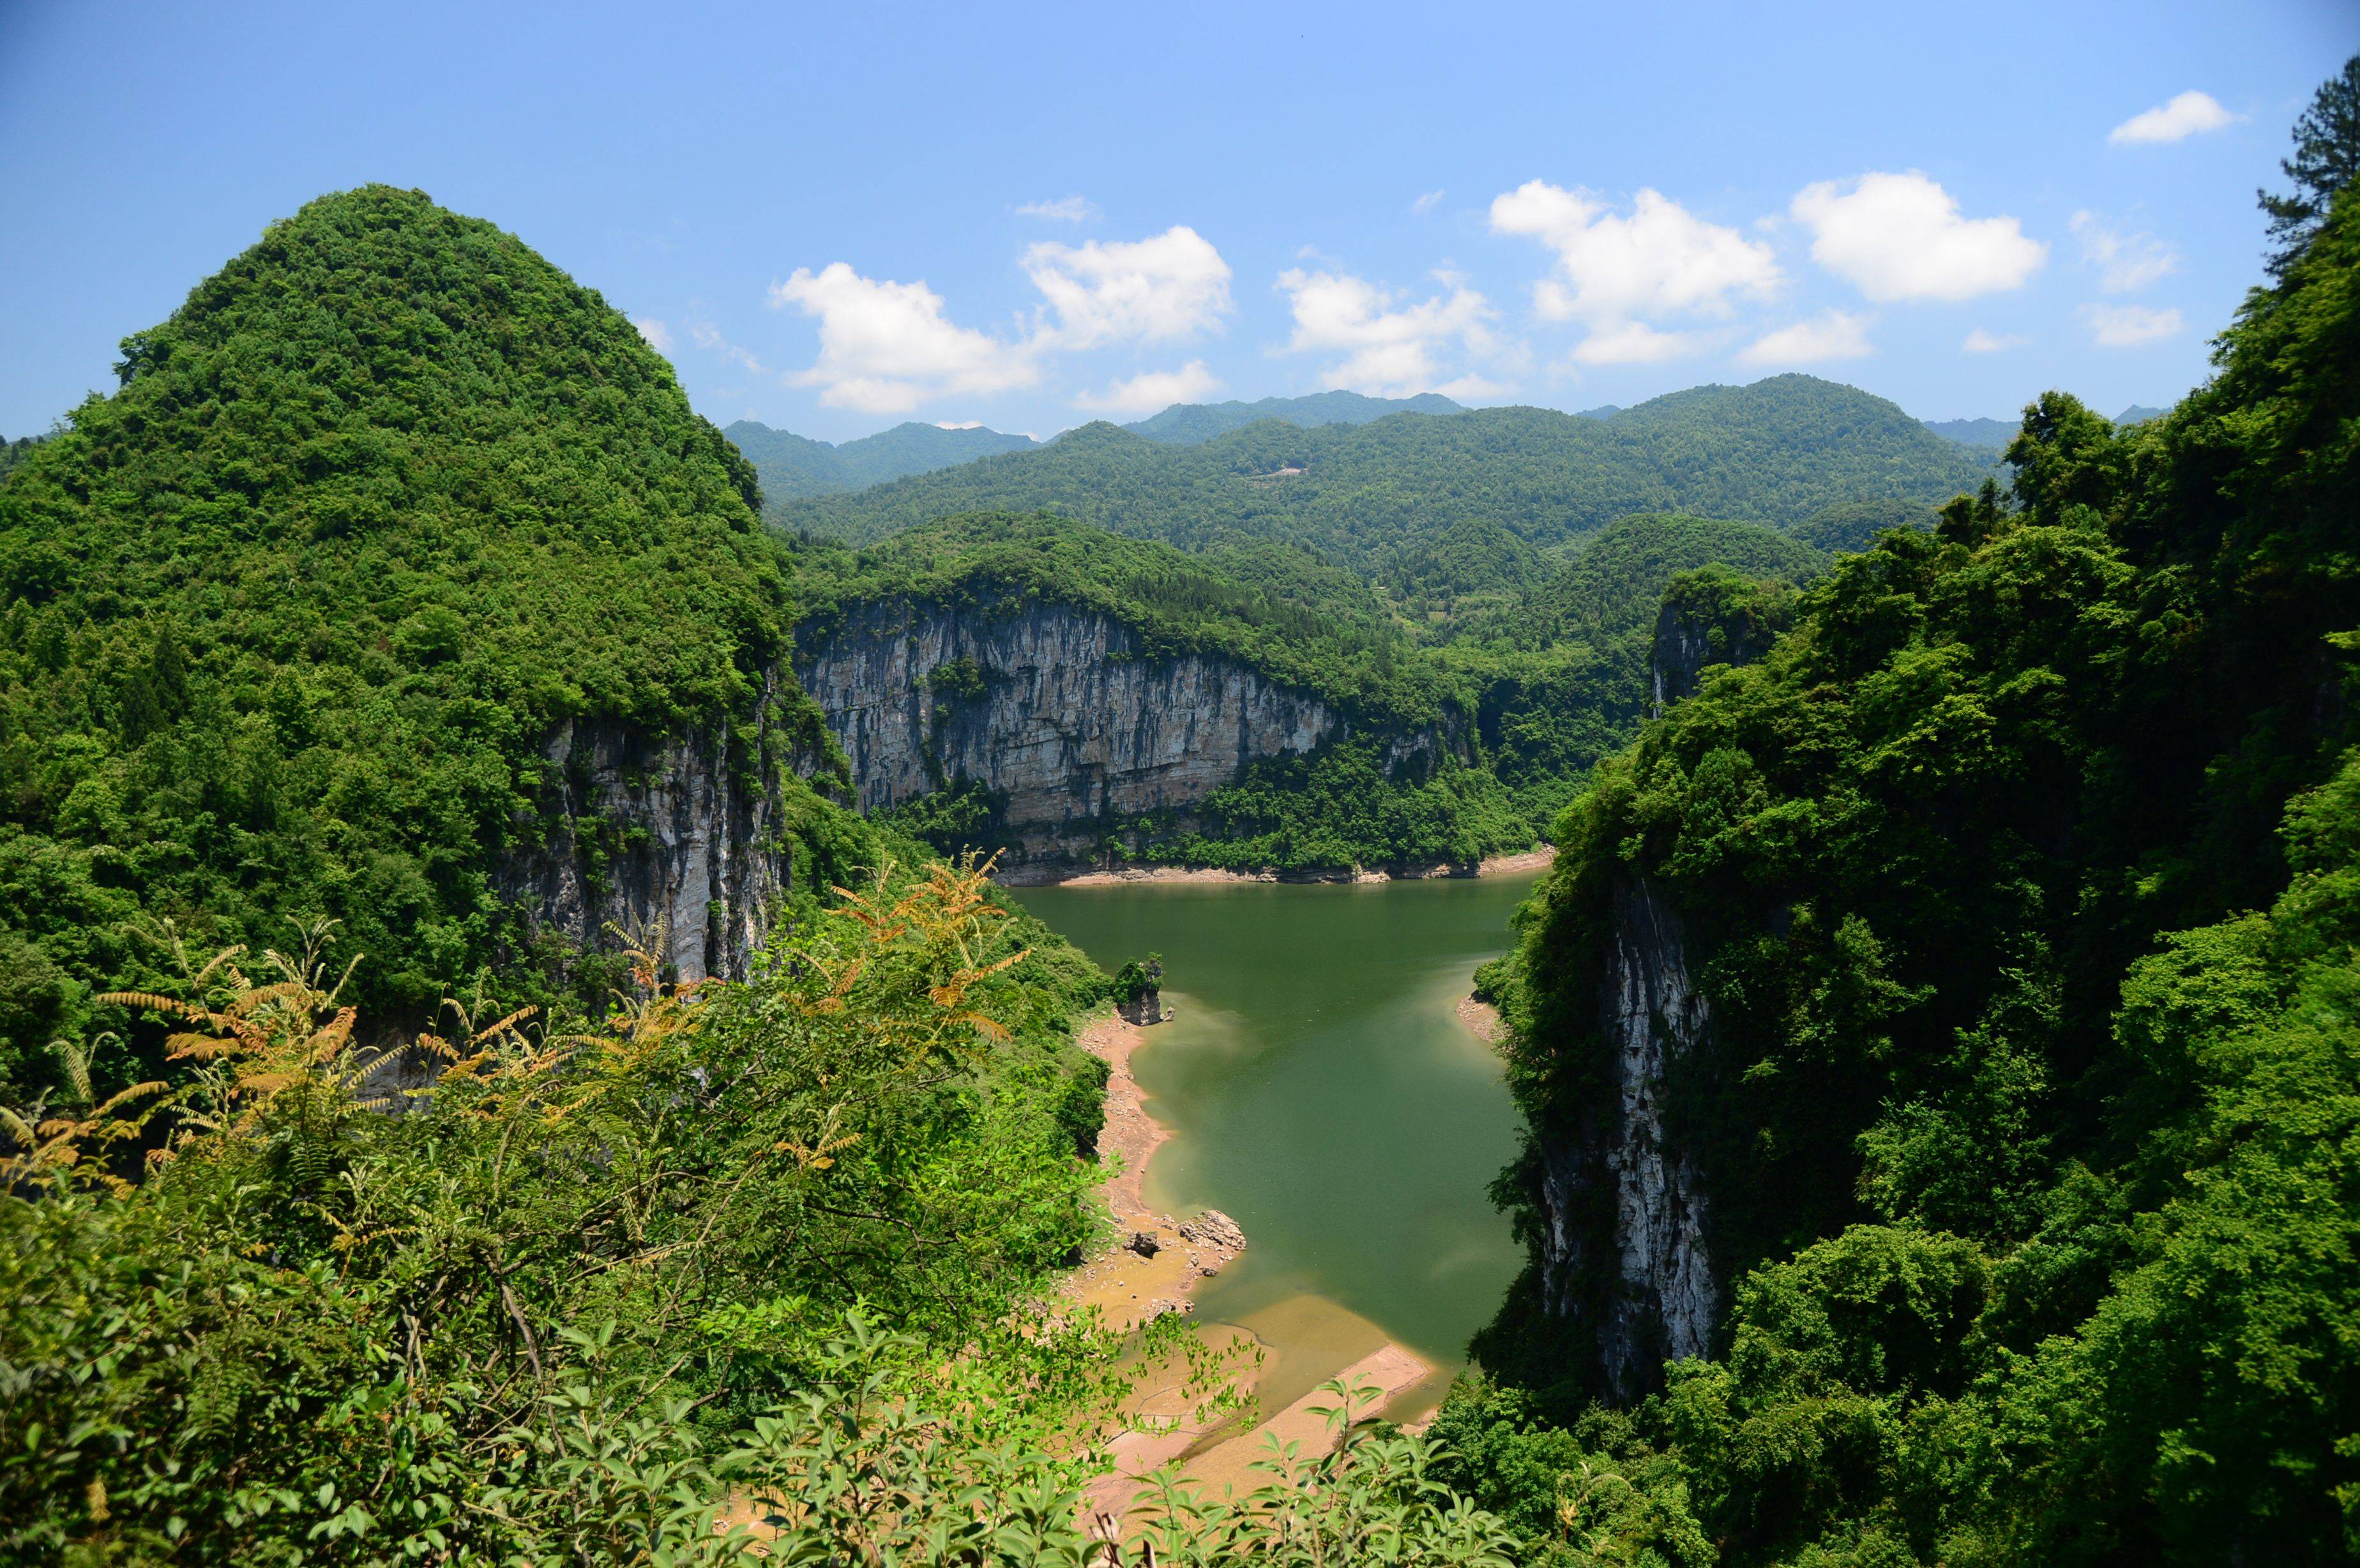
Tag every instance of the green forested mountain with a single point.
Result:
(289, 615)
(2137, 414)
(1191, 424)
(1432, 508)
(792, 465)
(2021, 882)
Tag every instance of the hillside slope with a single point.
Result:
(398, 586)
(1434, 508)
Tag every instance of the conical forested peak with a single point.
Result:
(288, 620)
(357, 328)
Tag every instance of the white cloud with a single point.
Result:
(709, 339)
(1152, 391)
(1390, 349)
(1899, 236)
(958, 424)
(1982, 341)
(2126, 262)
(657, 335)
(1474, 389)
(2182, 117)
(1427, 203)
(886, 347)
(1659, 260)
(1064, 209)
(1831, 334)
(1632, 343)
(1172, 285)
(2131, 326)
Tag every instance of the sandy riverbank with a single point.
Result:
(1130, 1286)
(1125, 1281)
(1055, 876)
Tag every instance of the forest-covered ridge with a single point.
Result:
(1432, 508)
(291, 614)
(2020, 883)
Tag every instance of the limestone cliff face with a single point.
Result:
(680, 831)
(1055, 711)
(1623, 1243)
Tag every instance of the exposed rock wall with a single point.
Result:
(1622, 1242)
(680, 831)
(1053, 710)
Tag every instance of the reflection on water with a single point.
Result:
(1323, 1092)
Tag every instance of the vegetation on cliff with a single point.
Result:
(1501, 722)
(2022, 879)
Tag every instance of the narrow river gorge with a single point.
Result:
(1322, 1090)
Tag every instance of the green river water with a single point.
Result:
(1323, 1092)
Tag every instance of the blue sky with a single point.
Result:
(837, 218)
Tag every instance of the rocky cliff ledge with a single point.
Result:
(679, 832)
(1054, 711)
(1622, 1240)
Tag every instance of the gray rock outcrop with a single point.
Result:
(1623, 1236)
(678, 834)
(1057, 712)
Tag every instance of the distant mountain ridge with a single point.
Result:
(1192, 424)
(1999, 432)
(1974, 432)
(792, 465)
(1438, 508)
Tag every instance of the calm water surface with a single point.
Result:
(1322, 1092)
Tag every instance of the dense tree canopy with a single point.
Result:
(1432, 508)
(285, 621)
(2030, 1144)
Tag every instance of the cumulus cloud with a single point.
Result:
(1982, 341)
(886, 347)
(657, 335)
(1632, 343)
(1659, 259)
(1172, 285)
(1427, 203)
(1831, 334)
(2131, 326)
(2126, 262)
(958, 424)
(1899, 236)
(1064, 209)
(1390, 346)
(1152, 390)
(1475, 389)
(2183, 117)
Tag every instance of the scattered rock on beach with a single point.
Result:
(1214, 1228)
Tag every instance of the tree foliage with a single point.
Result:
(2029, 1143)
